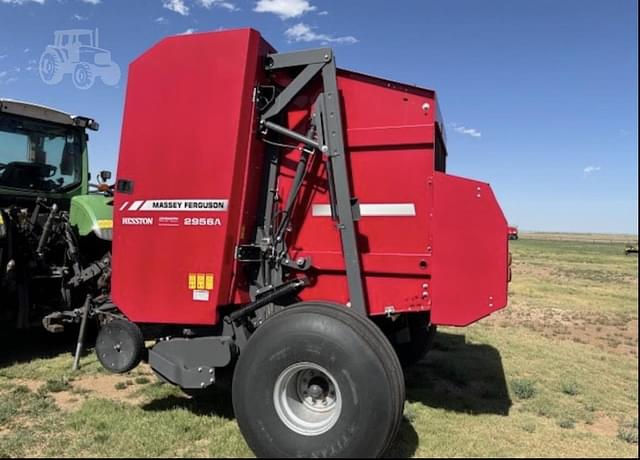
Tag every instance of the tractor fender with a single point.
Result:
(92, 213)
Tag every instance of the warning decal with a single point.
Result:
(200, 284)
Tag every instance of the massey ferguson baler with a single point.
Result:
(294, 223)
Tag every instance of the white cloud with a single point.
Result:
(219, 4)
(31, 67)
(187, 32)
(2, 56)
(161, 20)
(177, 6)
(22, 2)
(304, 33)
(26, 50)
(285, 9)
(93, 2)
(468, 131)
(77, 17)
(589, 169)
(323, 13)
(9, 76)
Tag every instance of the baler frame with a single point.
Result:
(327, 126)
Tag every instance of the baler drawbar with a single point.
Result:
(290, 226)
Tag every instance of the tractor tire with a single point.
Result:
(110, 76)
(83, 77)
(422, 335)
(317, 379)
(50, 68)
(120, 346)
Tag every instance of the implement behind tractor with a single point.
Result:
(293, 224)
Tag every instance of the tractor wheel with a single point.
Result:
(83, 76)
(421, 339)
(318, 379)
(110, 76)
(50, 68)
(120, 346)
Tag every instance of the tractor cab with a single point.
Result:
(80, 37)
(42, 152)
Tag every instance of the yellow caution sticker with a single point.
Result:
(1, 219)
(105, 223)
(200, 281)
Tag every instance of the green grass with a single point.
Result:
(554, 374)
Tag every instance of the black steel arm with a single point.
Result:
(330, 141)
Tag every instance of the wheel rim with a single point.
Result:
(307, 399)
(47, 67)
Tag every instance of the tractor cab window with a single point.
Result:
(39, 156)
(84, 40)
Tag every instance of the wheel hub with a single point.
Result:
(307, 399)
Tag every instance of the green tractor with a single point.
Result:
(55, 227)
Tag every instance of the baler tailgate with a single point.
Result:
(470, 251)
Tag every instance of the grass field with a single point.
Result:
(555, 374)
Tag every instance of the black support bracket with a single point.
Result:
(308, 66)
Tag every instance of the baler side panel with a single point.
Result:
(185, 136)
(470, 252)
(390, 143)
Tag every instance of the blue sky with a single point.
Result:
(540, 97)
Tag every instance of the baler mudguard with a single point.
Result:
(470, 251)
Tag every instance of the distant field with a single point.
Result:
(555, 374)
(585, 237)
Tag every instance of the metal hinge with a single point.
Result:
(248, 253)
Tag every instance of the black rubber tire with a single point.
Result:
(50, 68)
(353, 350)
(83, 77)
(128, 338)
(422, 336)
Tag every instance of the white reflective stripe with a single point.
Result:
(388, 209)
(124, 205)
(135, 205)
(371, 209)
(321, 210)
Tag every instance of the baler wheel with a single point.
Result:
(120, 346)
(318, 379)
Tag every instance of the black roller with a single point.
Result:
(120, 346)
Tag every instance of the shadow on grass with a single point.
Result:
(406, 442)
(211, 402)
(25, 346)
(460, 377)
(455, 376)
